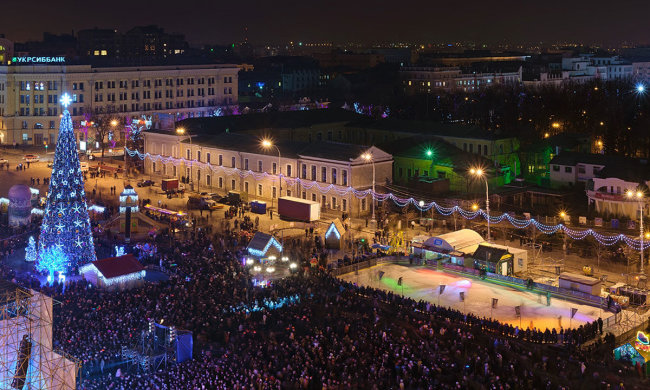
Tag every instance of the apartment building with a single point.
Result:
(29, 94)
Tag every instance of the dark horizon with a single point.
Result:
(336, 21)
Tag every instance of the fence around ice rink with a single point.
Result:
(555, 292)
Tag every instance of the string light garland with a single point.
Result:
(574, 234)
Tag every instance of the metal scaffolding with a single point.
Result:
(27, 360)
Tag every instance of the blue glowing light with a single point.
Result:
(262, 253)
(640, 88)
(333, 229)
(52, 260)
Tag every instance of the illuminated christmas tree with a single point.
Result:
(66, 224)
(30, 251)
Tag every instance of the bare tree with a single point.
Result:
(104, 126)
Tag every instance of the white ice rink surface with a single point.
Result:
(423, 283)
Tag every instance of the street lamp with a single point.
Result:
(478, 172)
(368, 157)
(638, 195)
(182, 132)
(421, 203)
(267, 144)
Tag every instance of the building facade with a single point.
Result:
(321, 172)
(425, 79)
(29, 95)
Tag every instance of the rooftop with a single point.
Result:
(427, 128)
(267, 120)
(113, 267)
(444, 153)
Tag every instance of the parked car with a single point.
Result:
(145, 183)
(31, 158)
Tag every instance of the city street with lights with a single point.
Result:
(388, 204)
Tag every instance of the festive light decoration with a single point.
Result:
(607, 240)
(642, 342)
(120, 250)
(261, 253)
(53, 259)
(66, 225)
(116, 280)
(31, 254)
(334, 230)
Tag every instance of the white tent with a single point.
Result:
(464, 241)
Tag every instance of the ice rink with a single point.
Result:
(423, 283)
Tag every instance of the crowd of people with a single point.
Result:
(330, 335)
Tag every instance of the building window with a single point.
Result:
(556, 168)
(334, 203)
(568, 169)
(288, 192)
(208, 180)
(323, 200)
(232, 184)
(221, 160)
(245, 164)
(207, 158)
(288, 170)
(198, 155)
(246, 187)
(304, 195)
(221, 182)
(333, 175)
(259, 190)
(323, 174)
(232, 162)
(582, 169)
(313, 172)
(485, 150)
(363, 204)
(188, 154)
(345, 177)
(313, 197)
(259, 166)
(274, 192)
(274, 167)
(304, 171)
(345, 205)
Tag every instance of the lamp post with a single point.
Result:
(478, 172)
(421, 203)
(562, 220)
(182, 132)
(638, 195)
(368, 157)
(267, 144)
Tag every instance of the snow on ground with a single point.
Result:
(423, 283)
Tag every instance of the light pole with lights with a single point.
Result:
(478, 172)
(267, 144)
(368, 157)
(182, 132)
(638, 195)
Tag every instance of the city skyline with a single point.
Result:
(362, 21)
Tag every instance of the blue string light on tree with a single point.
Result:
(66, 225)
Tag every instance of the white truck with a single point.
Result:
(296, 209)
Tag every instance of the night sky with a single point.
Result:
(269, 21)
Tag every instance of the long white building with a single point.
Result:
(29, 94)
(234, 161)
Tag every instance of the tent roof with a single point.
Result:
(113, 267)
(337, 225)
(457, 240)
(262, 242)
(489, 253)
